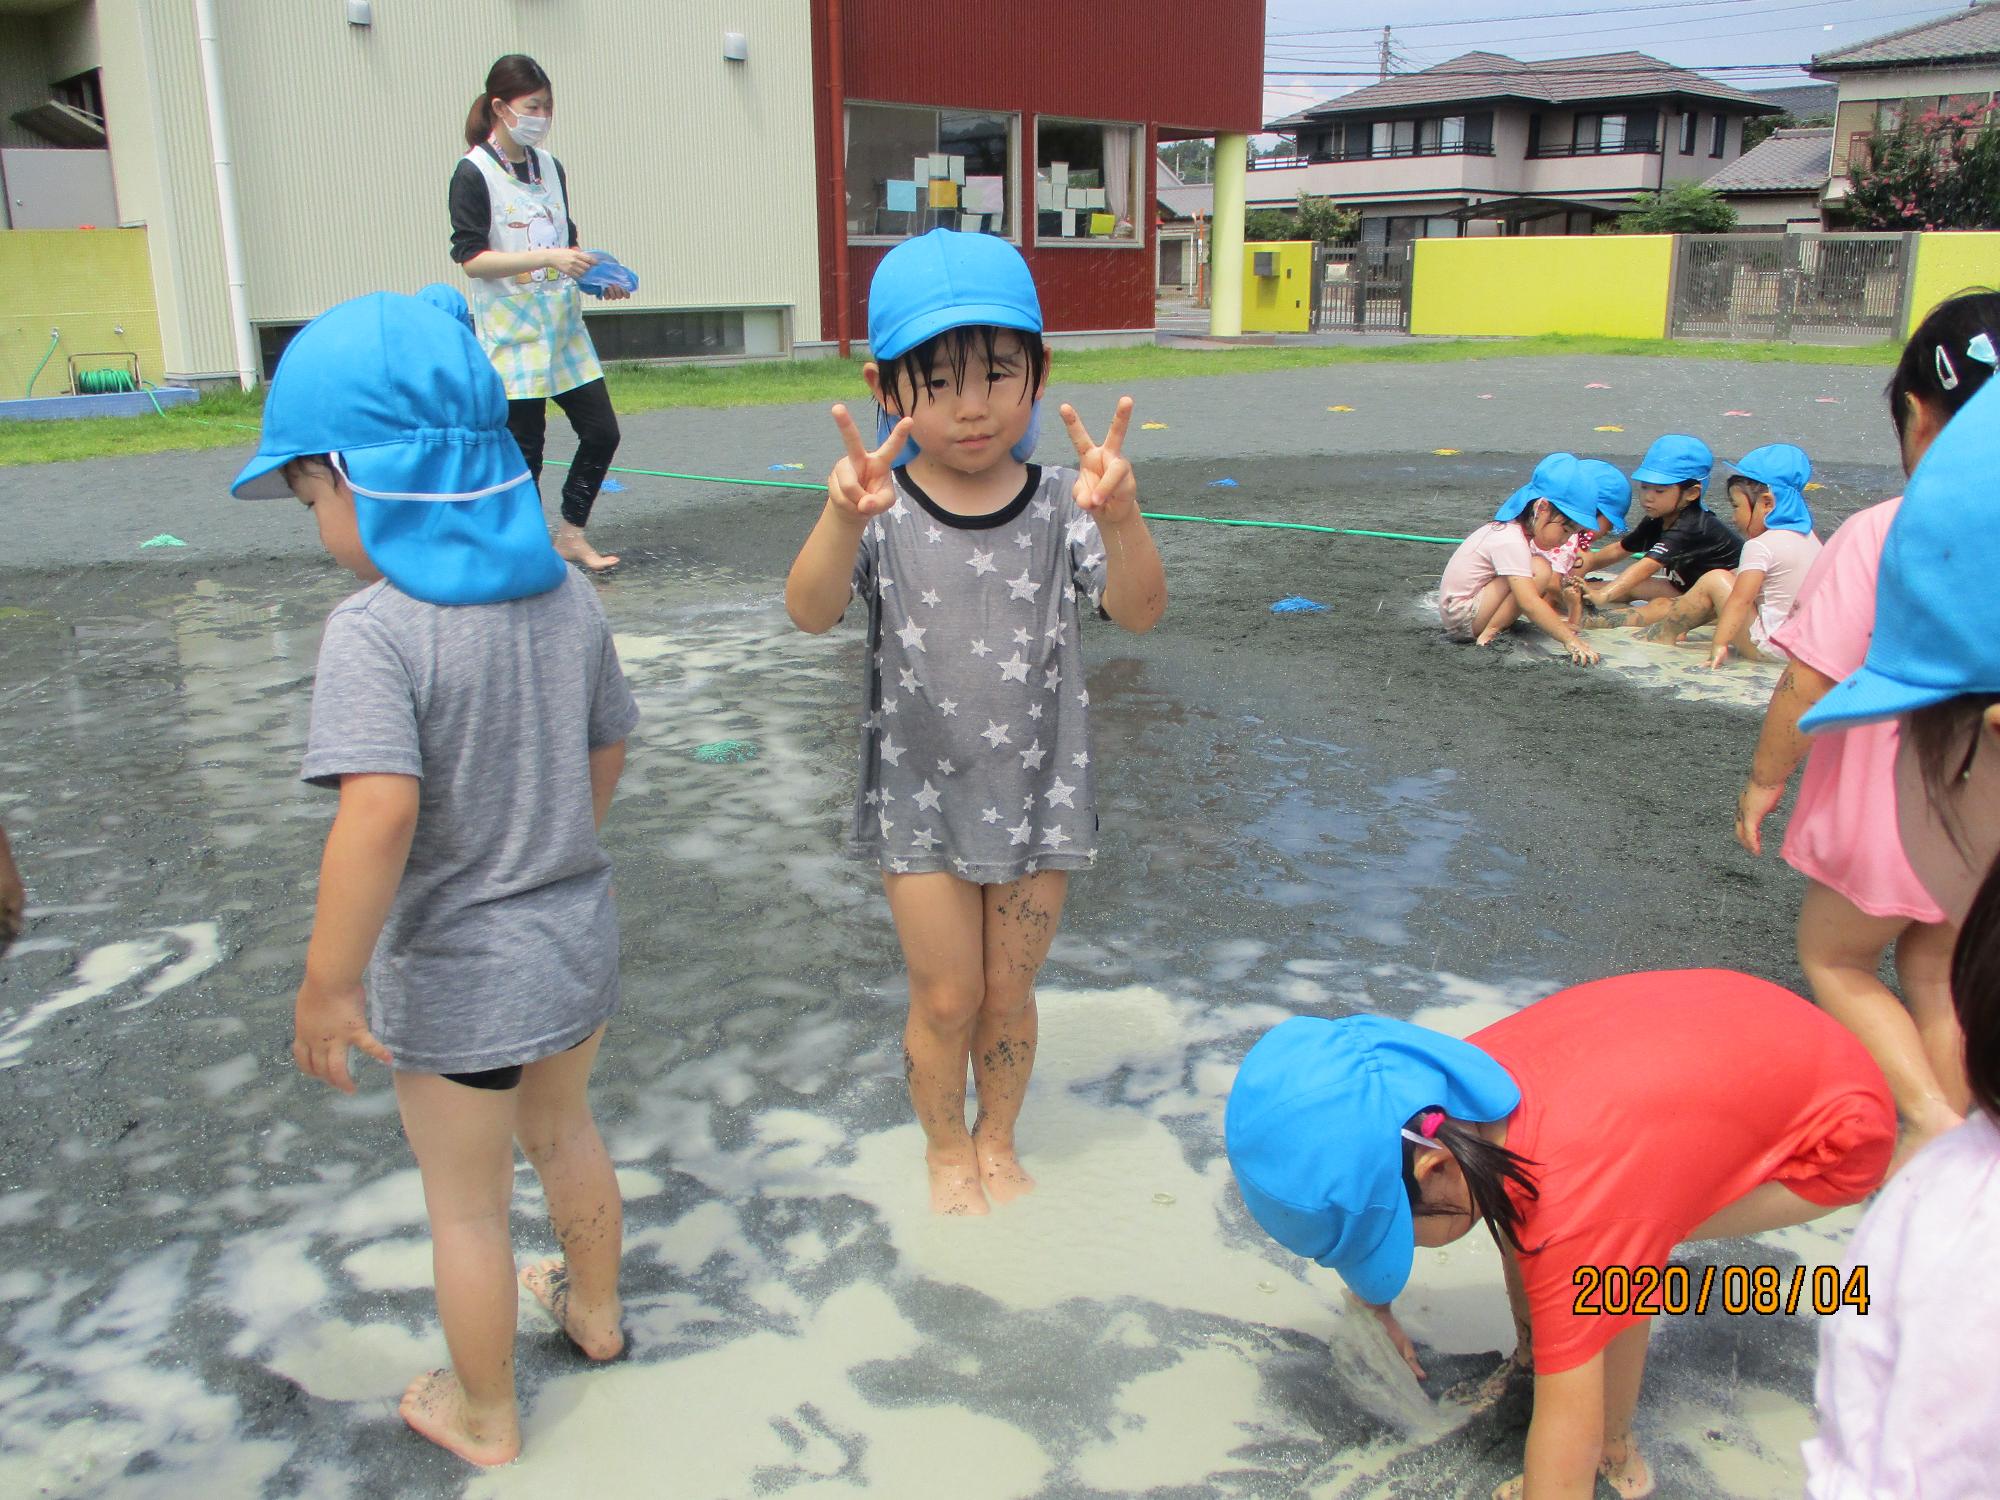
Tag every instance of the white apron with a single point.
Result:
(530, 325)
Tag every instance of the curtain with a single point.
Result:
(1118, 176)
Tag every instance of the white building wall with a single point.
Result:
(1915, 83)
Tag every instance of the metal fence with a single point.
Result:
(1363, 288)
(1809, 288)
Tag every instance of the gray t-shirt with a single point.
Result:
(502, 944)
(975, 743)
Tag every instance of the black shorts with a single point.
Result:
(505, 1078)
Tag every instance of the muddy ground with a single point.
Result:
(215, 1273)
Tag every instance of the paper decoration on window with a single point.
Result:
(1094, 198)
(956, 166)
(920, 169)
(1069, 221)
(902, 197)
(940, 166)
(1077, 197)
(1045, 198)
(986, 195)
(1059, 174)
(944, 193)
(1102, 223)
(971, 223)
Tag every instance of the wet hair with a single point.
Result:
(1945, 738)
(1488, 1169)
(957, 348)
(514, 76)
(1940, 340)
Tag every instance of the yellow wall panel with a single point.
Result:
(1281, 303)
(87, 284)
(1609, 284)
(1949, 263)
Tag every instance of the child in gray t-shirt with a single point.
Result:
(976, 791)
(470, 710)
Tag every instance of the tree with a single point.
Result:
(1319, 219)
(1763, 127)
(1684, 208)
(1192, 161)
(1937, 171)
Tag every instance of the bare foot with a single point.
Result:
(595, 1332)
(955, 1187)
(434, 1405)
(1486, 1391)
(1001, 1172)
(1513, 1489)
(1626, 1469)
(574, 546)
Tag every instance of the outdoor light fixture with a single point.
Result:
(360, 13)
(735, 47)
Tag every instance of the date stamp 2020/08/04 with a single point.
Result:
(1761, 1291)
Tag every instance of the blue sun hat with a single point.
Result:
(1562, 480)
(1313, 1131)
(1937, 614)
(447, 299)
(945, 280)
(398, 391)
(1614, 491)
(1674, 459)
(1784, 470)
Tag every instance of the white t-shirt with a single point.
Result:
(1785, 558)
(1909, 1394)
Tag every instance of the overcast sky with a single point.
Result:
(1344, 36)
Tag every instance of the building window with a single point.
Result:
(664, 335)
(1602, 135)
(1690, 129)
(1089, 180)
(84, 92)
(1718, 136)
(913, 170)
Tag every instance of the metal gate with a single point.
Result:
(1364, 289)
(1803, 288)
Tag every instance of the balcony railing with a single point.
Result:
(1318, 158)
(1643, 145)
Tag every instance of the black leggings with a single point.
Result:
(588, 408)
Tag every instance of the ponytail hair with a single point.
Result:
(1937, 367)
(512, 77)
(1488, 1169)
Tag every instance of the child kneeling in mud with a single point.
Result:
(1495, 576)
(469, 707)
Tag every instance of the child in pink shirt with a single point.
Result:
(1494, 577)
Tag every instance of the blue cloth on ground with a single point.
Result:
(1784, 469)
(1296, 604)
(607, 274)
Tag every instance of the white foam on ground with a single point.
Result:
(179, 954)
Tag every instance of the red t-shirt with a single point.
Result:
(1651, 1101)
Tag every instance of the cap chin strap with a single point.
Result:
(340, 468)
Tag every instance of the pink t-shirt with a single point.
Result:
(1908, 1393)
(1499, 549)
(1843, 831)
(1784, 558)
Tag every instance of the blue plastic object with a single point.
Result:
(1222, 484)
(608, 274)
(1296, 604)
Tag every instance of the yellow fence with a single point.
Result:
(91, 288)
(1604, 284)
(1279, 301)
(1951, 262)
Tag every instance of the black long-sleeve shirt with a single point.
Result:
(472, 205)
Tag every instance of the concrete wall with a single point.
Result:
(1614, 285)
(1951, 263)
(1280, 303)
(93, 286)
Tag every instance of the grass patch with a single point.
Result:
(229, 419)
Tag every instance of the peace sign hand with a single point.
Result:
(860, 485)
(1105, 486)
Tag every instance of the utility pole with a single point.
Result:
(1386, 53)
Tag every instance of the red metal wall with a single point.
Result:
(1185, 67)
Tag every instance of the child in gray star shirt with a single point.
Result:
(976, 795)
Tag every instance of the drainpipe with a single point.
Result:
(836, 95)
(225, 193)
(1225, 254)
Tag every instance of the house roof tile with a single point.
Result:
(1970, 36)
(1791, 161)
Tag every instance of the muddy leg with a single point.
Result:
(560, 1139)
(1021, 923)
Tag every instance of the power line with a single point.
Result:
(1546, 15)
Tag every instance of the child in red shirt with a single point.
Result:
(1598, 1128)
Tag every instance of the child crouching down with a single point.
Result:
(469, 707)
(1495, 577)
(1614, 499)
(1678, 541)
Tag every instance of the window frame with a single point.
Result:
(936, 111)
(1142, 218)
(1690, 131)
(1718, 136)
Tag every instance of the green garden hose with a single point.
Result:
(55, 337)
(793, 484)
(105, 382)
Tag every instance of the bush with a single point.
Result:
(1319, 219)
(1684, 208)
(1938, 171)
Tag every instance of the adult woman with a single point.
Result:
(1863, 898)
(512, 233)
(1907, 1393)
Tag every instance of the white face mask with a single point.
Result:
(527, 130)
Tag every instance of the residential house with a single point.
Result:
(1486, 144)
(1949, 64)
(1777, 183)
(1184, 209)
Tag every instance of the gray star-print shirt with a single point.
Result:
(975, 736)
